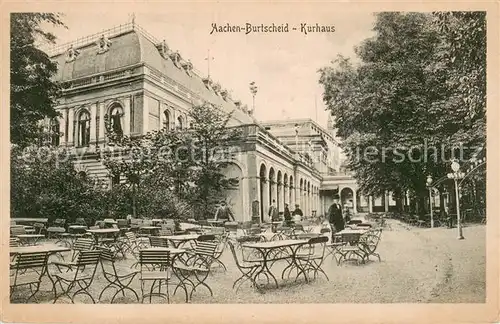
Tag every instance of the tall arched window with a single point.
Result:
(166, 121)
(55, 132)
(180, 122)
(84, 128)
(115, 116)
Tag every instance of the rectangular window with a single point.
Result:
(377, 201)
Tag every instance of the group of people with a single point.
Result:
(289, 217)
(335, 214)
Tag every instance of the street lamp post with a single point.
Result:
(429, 185)
(456, 175)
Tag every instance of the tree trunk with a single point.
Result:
(134, 214)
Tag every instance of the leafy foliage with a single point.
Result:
(182, 166)
(418, 92)
(33, 93)
(45, 184)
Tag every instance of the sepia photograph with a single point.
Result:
(184, 156)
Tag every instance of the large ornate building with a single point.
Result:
(140, 84)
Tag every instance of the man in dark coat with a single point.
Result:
(224, 213)
(335, 215)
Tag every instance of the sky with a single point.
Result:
(283, 65)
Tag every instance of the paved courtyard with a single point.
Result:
(418, 265)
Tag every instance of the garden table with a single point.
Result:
(30, 239)
(46, 248)
(306, 236)
(103, 232)
(215, 223)
(49, 248)
(151, 230)
(181, 240)
(267, 250)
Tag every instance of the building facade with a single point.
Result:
(139, 84)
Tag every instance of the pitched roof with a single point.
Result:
(132, 47)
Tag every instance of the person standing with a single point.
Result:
(287, 216)
(223, 212)
(273, 212)
(297, 214)
(335, 215)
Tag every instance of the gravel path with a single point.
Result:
(418, 265)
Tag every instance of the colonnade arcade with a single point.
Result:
(282, 188)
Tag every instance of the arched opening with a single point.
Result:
(234, 193)
(115, 119)
(262, 176)
(347, 199)
(272, 184)
(279, 188)
(83, 128)
(180, 122)
(55, 133)
(166, 120)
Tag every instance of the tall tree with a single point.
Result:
(188, 163)
(32, 92)
(399, 106)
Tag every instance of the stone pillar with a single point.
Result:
(102, 128)
(292, 196)
(62, 127)
(126, 115)
(145, 115)
(93, 123)
(71, 125)
(354, 202)
(370, 204)
(265, 198)
(279, 198)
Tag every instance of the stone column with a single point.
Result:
(264, 183)
(279, 199)
(126, 115)
(102, 128)
(145, 115)
(71, 124)
(354, 202)
(370, 204)
(62, 127)
(93, 123)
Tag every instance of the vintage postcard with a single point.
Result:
(229, 162)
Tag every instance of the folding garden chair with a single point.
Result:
(196, 267)
(28, 270)
(132, 244)
(17, 230)
(369, 243)
(80, 275)
(81, 244)
(59, 233)
(14, 242)
(117, 277)
(156, 241)
(205, 248)
(156, 266)
(313, 258)
(247, 269)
